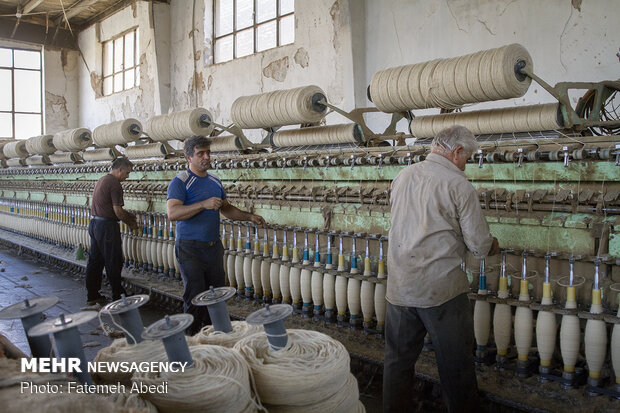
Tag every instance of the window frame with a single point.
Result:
(12, 68)
(136, 62)
(254, 27)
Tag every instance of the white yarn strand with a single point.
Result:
(102, 154)
(117, 133)
(119, 350)
(73, 140)
(41, 145)
(225, 143)
(178, 125)
(64, 157)
(208, 335)
(318, 135)
(149, 150)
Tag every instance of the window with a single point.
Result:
(244, 27)
(21, 100)
(121, 66)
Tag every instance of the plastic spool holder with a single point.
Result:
(67, 339)
(127, 310)
(134, 129)
(215, 300)
(271, 318)
(205, 120)
(30, 311)
(170, 330)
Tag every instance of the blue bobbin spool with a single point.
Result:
(215, 300)
(127, 310)
(271, 318)
(67, 338)
(30, 312)
(170, 330)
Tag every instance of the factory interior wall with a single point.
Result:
(338, 46)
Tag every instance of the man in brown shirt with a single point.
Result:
(105, 236)
(435, 218)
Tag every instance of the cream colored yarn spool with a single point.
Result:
(279, 108)
(117, 133)
(311, 368)
(451, 83)
(240, 329)
(119, 351)
(146, 151)
(73, 140)
(38, 160)
(41, 145)
(219, 381)
(3, 143)
(225, 143)
(64, 157)
(319, 135)
(15, 149)
(102, 154)
(15, 162)
(179, 125)
(503, 120)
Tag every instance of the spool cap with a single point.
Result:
(28, 307)
(125, 304)
(168, 326)
(62, 323)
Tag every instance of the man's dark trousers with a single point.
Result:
(450, 326)
(202, 266)
(105, 251)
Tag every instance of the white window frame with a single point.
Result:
(124, 69)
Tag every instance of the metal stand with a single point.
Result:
(170, 330)
(271, 318)
(215, 300)
(67, 339)
(30, 311)
(127, 310)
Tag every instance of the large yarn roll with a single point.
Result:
(450, 83)
(225, 143)
(64, 157)
(101, 154)
(179, 125)
(119, 351)
(319, 135)
(219, 381)
(117, 133)
(38, 160)
(146, 151)
(3, 143)
(503, 120)
(15, 149)
(312, 368)
(41, 145)
(208, 335)
(15, 162)
(73, 140)
(279, 108)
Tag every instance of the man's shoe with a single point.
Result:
(99, 300)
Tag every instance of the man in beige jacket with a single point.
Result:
(435, 218)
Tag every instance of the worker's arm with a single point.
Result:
(125, 216)
(474, 225)
(234, 213)
(179, 212)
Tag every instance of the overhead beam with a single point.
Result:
(74, 11)
(31, 5)
(36, 34)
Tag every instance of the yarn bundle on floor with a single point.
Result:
(311, 374)
(119, 351)
(208, 335)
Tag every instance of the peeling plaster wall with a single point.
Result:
(61, 90)
(139, 102)
(568, 40)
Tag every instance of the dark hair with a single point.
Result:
(195, 142)
(121, 162)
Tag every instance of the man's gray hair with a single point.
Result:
(451, 138)
(121, 162)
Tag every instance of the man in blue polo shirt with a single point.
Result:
(195, 200)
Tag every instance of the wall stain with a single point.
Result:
(277, 69)
(577, 4)
(301, 57)
(96, 83)
(209, 81)
(56, 114)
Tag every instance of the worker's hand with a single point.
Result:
(258, 220)
(212, 203)
(494, 247)
(131, 221)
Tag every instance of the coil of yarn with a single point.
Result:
(119, 351)
(38, 160)
(318, 135)
(15, 162)
(73, 140)
(312, 368)
(450, 83)
(40, 145)
(101, 154)
(179, 125)
(117, 133)
(149, 150)
(15, 149)
(2, 145)
(279, 108)
(225, 143)
(64, 157)
(208, 335)
(219, 381)
(502, 120)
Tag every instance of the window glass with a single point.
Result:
(6, 86)
(107, 58)
(129, 52)
(287, 30)
(130, 78)
(224, 19)
(118, 82)
(6, 57)
(224, 49)
(266, 36)
(6, 125)
(287, 6)
(27, 59)
(27, 90)
(121, 63)
(245, 42)
(266, 10)
(118, 54)
(27, 125)
(244, 13)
